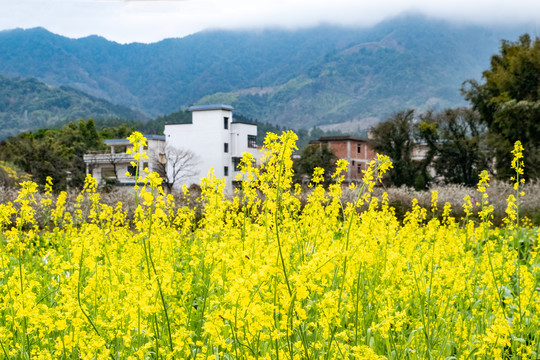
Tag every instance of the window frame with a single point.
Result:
(252, 141)
(236, 160)
(132, 170)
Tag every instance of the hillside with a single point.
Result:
(403, 65)
(28, 104)
(322, 75)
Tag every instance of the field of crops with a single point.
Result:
(262, 275)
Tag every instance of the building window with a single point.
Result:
(225, 123)
(132, 170)
(359, 168)
(252, 141)
(226, 147)
(236, 163)
(359, 148)
(225, 171)
(108, 173)
(162, 158)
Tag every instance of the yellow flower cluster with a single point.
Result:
(262, 275)
(11, 173)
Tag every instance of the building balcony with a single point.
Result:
(107, 158)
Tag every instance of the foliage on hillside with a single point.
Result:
(394, 65)
(58, 153)
(457, 144)
(292, 78)
(509, 102)
(28, 104)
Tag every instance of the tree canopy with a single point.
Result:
(397, 138)
(57, 153)
(315, 155)
(457, 140)
(509, 102)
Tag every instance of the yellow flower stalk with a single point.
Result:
(266, 272)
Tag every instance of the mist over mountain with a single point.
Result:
(319, 76)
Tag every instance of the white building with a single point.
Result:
(113, 164)
(216, 139)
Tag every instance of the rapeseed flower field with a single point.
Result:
(262, 275)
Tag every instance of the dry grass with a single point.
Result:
(124, 195)
(399, 198)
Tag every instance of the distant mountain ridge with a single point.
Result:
(29, 104)
(323, 75)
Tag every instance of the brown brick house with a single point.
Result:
(354, 149)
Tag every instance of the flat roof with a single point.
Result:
(126, 141)
(154, 137)
(210, 107)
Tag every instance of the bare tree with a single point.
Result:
(175, 165)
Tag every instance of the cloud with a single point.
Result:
(153, 20)
(144, 0)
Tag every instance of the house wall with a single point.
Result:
(206, 137)
(240, 134)
(348, 149)
(155, 147)
(340, 148)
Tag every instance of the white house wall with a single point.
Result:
(155, 147)
(206, 136)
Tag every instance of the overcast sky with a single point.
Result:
(127, 21)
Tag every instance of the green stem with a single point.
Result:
(23, 305)
(79, 295)
(278, 210)
(149, 257)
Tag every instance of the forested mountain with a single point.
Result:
(306, 77)
(29, 104)
(396, 65)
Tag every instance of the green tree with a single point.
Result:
(509, 102)
(79, 137)
(458, 144)
(312, 156)
(120, 131)
(397, 138)
(54, 152)
(39, 157)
